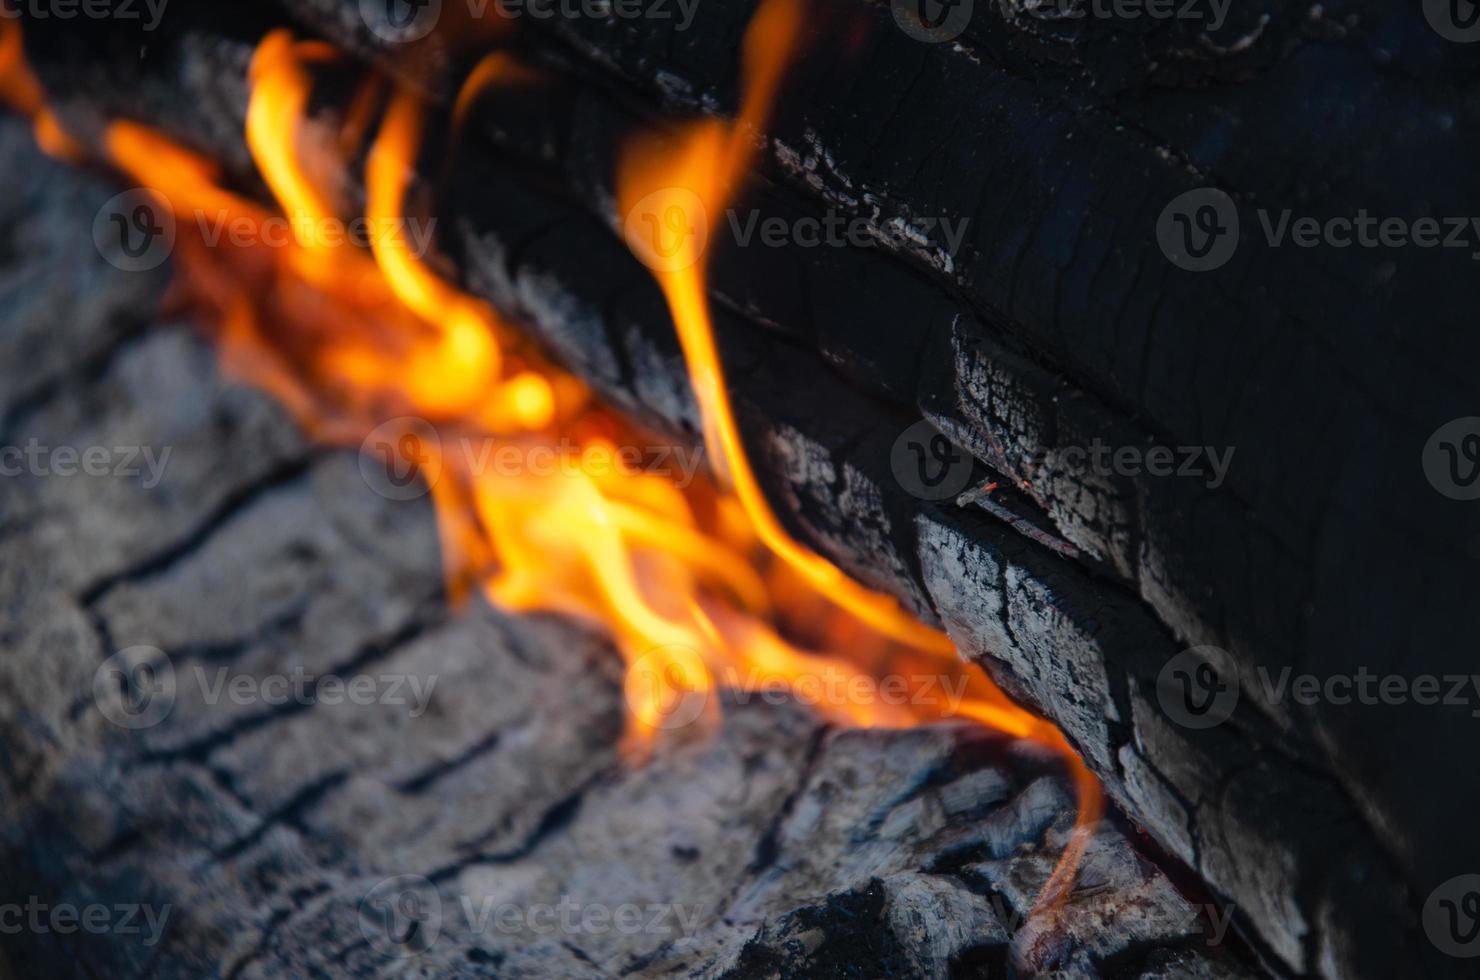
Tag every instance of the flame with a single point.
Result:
(698, 181)
(20, 90)
(668, 194)
(700, 586)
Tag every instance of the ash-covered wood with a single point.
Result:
(1058, 321)
(272, 839)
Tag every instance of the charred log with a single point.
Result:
(1055, 321)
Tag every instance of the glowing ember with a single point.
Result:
(695, 583)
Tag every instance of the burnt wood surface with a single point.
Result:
(262, 836)
(1058, 321)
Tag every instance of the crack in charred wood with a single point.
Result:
(424, 779)
(288, 813)
(233, 503)
(768, 846)
(199, 750)
(556, 817)
(77, 376)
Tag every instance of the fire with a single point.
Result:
(20, 90)
(697, 583)
(669, 193)
(697, 181)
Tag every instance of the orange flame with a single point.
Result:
(678, 192)
(668, 195)
(20, 90)
(698, 586)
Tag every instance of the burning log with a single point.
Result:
(488, 805)
(1269, 808)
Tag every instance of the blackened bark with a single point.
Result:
(1057, 322)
